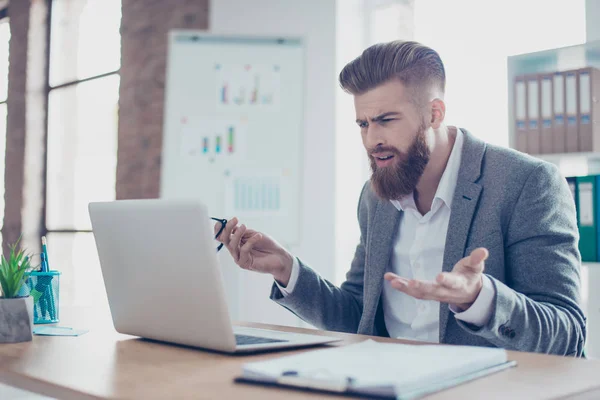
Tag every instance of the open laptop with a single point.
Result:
(162, 278)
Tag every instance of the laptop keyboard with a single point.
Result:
(245, 339)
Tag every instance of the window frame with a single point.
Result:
(48, 89)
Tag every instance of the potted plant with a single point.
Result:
(16, 305)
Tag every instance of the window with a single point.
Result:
(82, 151)
(4, 51)
(85, 48)
(85, 39)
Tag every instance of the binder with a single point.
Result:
(533, 114)
(559, 128)
(520, 111)
(572, 182)
(589, 89)
(587, 200)
(545, 102)
(597, 215)
(571, 110)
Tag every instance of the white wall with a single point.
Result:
(592, 16)
(477, 89)
(314, 20)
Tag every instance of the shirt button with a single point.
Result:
(422, 308)
(417, 266)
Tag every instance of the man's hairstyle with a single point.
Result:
(417, 66)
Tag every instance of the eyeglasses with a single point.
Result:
(223, 223)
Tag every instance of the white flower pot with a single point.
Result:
(16, 319)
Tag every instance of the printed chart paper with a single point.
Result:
(257, 193)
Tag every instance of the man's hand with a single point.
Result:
(458, 288)
(256, 251)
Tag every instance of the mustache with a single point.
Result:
(383, 149)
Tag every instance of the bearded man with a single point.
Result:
(461, 242)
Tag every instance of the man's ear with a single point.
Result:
(438, 112)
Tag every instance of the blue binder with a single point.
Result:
(572, 181)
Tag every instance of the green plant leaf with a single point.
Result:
(14, 271)
(4, 285)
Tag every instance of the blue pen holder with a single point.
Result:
(44, 288)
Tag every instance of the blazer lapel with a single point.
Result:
(464, 203)
(380, 243)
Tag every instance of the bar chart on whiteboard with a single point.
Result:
(247, 86)
(210, 138)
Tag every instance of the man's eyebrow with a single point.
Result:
(385, 115)
(381, 116)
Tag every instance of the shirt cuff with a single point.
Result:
(286, 291)
(480, 311)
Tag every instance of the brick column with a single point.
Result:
(26, 120)
(15, 124)
(144, 35)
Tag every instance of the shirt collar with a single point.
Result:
(445, 190)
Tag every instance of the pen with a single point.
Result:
(45, 265)
(293, 378)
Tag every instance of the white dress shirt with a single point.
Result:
(418, 254)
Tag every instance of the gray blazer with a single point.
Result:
(521, 210)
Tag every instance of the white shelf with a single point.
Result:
(574, 164)
(558, 157)
(591, 264)
(562, 58)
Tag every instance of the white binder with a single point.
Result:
(533, 115)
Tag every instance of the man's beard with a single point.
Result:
(401, 178)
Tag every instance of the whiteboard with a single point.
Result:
(233, 128)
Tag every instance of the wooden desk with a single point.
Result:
(104, 364)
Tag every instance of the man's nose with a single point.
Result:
(373, 137)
